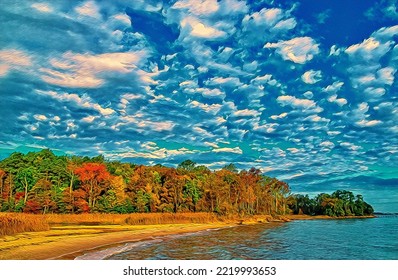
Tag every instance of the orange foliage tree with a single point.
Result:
(95, 179)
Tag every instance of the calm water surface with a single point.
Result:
(314, 239)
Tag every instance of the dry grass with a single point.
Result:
(12, 223)
(169, 218)
(131, 219)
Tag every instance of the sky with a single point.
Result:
(306, 91)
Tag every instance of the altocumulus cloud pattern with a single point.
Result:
(304, 91)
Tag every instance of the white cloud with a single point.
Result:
(266, 24)
(316, 118)
(73, 80)
(213, 108)
(220, 120)
(88, 119)
(365, 123)
(246, 113)
(333, 88)
(131, 96)
(269, 17)
(386, 33)
(42, 7)
(32, 127)
(84, 70)
(338, 101)
(350, 146)
(266, 128)
(211, 93)
(211, 144)
(386, 75)
(3, 69)
(333, 132)
(150, 146)
(311, 77)
(265, 79)
(293, 150)
(295, 102)
(13, 59)
(334, 51)
(280, 116)
(308, 94)
(198, 7)
(157, 154)
(120, 21)
(372, 92)
(359, 113)
(231, 7)
(208, 32)
(202, 132)
(82, 102)
(88, 8)
(121, 62)
(40, 117)
(365, 48)
(371, 66)
(160, 126)
(198, 29)
(235, 150)
(359, 116)
(286, 24)
(228, 82)
(143, 123)
(299, 50)
(225, 54)
(327, 144)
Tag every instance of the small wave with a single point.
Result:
(103, 254)
(106, 253)
(109, 252)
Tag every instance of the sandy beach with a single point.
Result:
(68, 242)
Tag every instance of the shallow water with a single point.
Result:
(309, 239)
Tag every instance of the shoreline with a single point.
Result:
(68, 242)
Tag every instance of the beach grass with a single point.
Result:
(132, 219)
(12, 223)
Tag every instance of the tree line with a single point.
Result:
(339, 203)
(42, 182)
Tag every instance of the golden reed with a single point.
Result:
(131, 219)
(12, 223)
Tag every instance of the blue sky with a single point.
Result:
(304, 90)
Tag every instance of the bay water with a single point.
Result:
(343, 239)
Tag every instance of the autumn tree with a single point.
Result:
(2, 177)
(94, 178)
(192, 193)
(174, 184)
(187, 165)
(41, 198)
(42, 182)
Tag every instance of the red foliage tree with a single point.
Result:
(32, 206)
(95, 179)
